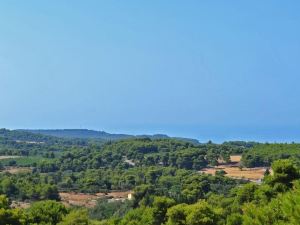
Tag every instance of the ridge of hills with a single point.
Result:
(100, 135)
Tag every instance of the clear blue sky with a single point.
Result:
(205, 69)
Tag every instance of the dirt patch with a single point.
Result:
(20, 205)
(121, 194)
(90, 200)
(9, 157)
(235, 158)
(16, 170)
(78, 199)
(252, 174)
(30, 142)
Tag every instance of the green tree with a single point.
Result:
(8, 187)
(176, 215)
(4, 202)
(269, 214)
(291, 206)
(75, 217)
(284, 173)
(234, 219)
(201, 213)
(220, 173)
(142, 215)
(160, 207)
(246, 193)
(47, 212)
(49, 192)
(12, 217)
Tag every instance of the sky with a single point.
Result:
(211, 70)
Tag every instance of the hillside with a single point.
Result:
(92, 134)
(26, 136)
(80, 133)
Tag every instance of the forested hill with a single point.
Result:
(21, 139)
(102, 135)
(26, 136)
(80, 133)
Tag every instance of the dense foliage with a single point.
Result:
(28, 186)
(275, 201)
(265, 154)
(146, 152)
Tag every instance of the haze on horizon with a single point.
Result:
(226, 71)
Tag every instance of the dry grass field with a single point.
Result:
(233, 171)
